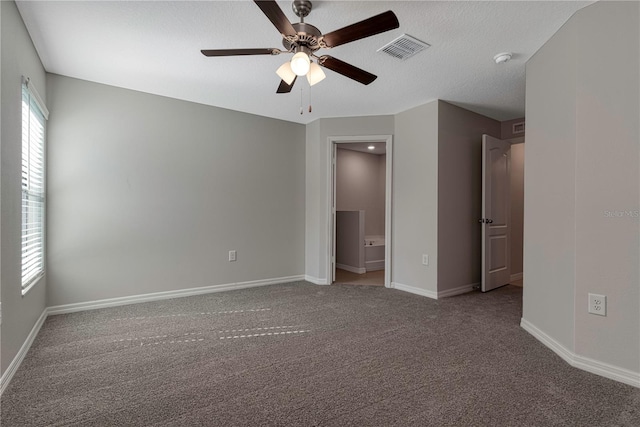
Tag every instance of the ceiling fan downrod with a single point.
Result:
(301, 8)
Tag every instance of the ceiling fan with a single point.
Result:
(304, 40)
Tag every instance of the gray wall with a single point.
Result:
(382, 185)
(19, 57)
(358, 187)
(148, 194)
(317, 182)
(517, 206)
(415, 198)
(581, 167)
(436, 185)
(313, 253)
(460, 193)
(350, 238)
(549, 227)
(608, 179)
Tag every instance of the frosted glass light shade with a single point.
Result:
(315, 74)
(300, 63)
(286, 73)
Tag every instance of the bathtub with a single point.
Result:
(374, 253)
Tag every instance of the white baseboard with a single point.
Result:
(517, 276)
(545, 339)
(352, 269)
(606, 370)
(434, 295)
(374, 265)
(457, 291)
(414, 290)
(586, 364)
(316, 280)
(15, 363)
(156, 296)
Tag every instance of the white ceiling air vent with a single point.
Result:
(404, 47)
(518, 128)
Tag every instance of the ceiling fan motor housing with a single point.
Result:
(308, 36)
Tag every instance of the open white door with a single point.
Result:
(496, 213)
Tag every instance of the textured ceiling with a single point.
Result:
(154, 47)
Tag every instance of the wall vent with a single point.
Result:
(518, 128)
(404, 47)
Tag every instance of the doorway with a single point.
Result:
(502, 212)
(517, 210)
(359, 248)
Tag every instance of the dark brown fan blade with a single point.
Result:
(375, 25)
(347, 70)
(233, 52)
(284, 87)
(276, 16)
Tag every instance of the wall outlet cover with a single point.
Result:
(598, 304)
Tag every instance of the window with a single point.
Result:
(34, 115)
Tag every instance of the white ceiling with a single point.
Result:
(154, 47)
(363, 147)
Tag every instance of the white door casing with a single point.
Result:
(496, 213)
(334, 156)
(332, 145)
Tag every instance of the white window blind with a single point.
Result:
(33, 186)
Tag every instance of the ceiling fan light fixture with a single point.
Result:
(300, 63)
(315, 74)
(286, 73)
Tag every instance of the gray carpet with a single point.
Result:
(301, 354)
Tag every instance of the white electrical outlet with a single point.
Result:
(232, 255)
(425, 259)
(598, 304)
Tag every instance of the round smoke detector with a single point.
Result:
(503, 57)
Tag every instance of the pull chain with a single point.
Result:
(301, 101)
(301, 110)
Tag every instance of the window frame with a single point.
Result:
(33, 106)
